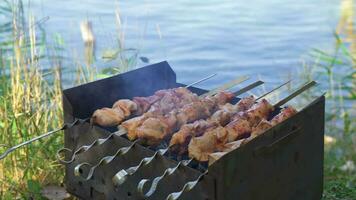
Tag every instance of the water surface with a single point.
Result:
(257, 38)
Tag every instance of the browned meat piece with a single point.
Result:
(261, 128)
(154, 130)
(238, 129)
(222, 97)
(213, 157)
(107, 117)
(180, 139)
(285, 113)
(200, 147)
(126, 105)
(131, 125)
(259, 111)
(257, 130)
(196, 110)
(264, 125)
(162, 101)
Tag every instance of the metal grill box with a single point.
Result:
(286, 162)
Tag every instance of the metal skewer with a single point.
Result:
(169, 171)
(107, 159)
(65, 126)
(123, 174)
(190, 185)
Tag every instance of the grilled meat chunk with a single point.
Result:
(162, 101)
(199, 148)
(201, 109)
(107, 117)
(240, 127)
(256, 131)
(180, 139)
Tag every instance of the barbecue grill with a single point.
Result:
(286, 162)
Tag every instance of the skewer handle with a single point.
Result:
(78, 169)
(85, 148)
(295, 93)
(249, 87)
(120, 177)
(201, 80)
(157, 180)
(274, 89)
(226, 86)
(65, 126)
(186, 188)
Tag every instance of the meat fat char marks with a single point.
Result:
(169, 102)
(107, 117)
(153, 133)
(264, 125)
(214, 140)
(180, 139)
(256, 131)
(226, 149)
(125, 108)
(243, 122)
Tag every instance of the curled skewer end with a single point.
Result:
(79, 170)
(120, 178)
(60, 155)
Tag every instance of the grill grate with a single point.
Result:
(288, 156)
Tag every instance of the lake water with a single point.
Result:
(268, 39)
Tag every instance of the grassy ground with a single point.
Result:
(30, 103)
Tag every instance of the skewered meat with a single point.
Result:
(242, 124)
(162, 100)
(171, 101)
(201, 109)
(265, 125)
(180, 139)
(285, 113)
(200, 147)
(258, 130)
(107, 117)
(126, 105)
(213, 157)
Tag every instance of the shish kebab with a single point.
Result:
(240, 127)
(155, 132)
(286, 114)
(183, 114)
(126, 108)
(264, 125)
(181, 138)
(156, 104)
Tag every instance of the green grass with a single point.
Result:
(336, 70)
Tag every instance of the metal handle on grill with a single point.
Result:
(270, 147)
(121, 177)
(186, 188)
(84, 148)
(65, 126)
(104, 161)
(157, 180)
